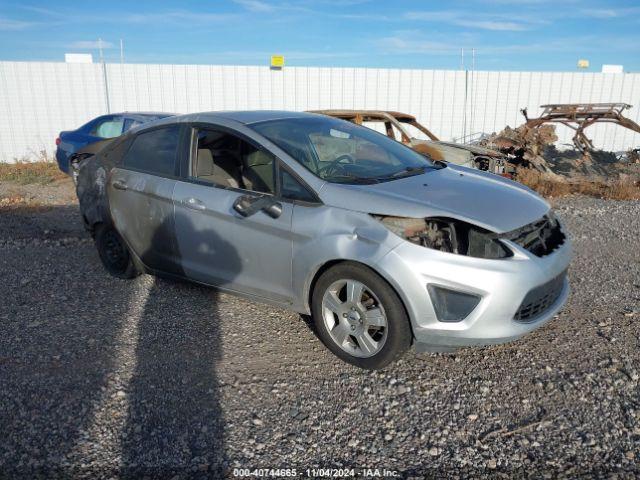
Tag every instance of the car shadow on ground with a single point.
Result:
(308, 322)
(100, 371)
(174, 420)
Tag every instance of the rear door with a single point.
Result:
(140, 194)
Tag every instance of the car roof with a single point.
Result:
(244, 116)
(143, 114)
(367, 114)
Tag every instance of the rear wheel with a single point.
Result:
(359, 317)
(114, 253)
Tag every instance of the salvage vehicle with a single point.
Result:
(100, 128)
(531, 145)
(406, 129)
(382, 246)
(578, 117)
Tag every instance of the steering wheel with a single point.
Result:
(336, 166)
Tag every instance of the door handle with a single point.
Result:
(119, 185)
(193, 203)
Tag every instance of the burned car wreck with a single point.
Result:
(531, 145)
(383, 247)
(406, 129)
(579, 116)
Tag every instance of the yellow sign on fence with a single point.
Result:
(277, 61)
(582, 63)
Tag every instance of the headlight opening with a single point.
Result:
(449, 235)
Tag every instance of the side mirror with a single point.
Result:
(248, 205)
(273, 209)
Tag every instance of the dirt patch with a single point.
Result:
(58, 192)
(622, 188)
(29, 173)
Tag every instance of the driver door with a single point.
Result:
(217, 244)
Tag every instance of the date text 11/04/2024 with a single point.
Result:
(316, 472)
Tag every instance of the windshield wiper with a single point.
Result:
(407, 172)
(353, 179)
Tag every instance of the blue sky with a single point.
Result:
(507, 35)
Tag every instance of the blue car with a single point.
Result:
(100, 128)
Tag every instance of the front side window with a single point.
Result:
(292, 189)
(227, 160)
(155, 151)
(109, 128)
(342, 152)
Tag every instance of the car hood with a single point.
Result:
(483, 199)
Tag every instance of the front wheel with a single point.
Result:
(114, 253)
(359, 317)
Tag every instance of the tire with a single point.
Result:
(114, 253)
(369, 329)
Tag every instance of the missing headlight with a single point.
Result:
(448, 235)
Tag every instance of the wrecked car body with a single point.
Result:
(531, 145)
(382, 246)
(579, 116)
(404, 128)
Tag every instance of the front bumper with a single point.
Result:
(503, 285)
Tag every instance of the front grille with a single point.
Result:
(541, 237)
(539, 299)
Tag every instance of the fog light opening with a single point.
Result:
(450, 305)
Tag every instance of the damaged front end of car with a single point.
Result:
(456, 236)
(502, 286)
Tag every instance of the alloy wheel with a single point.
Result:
(355, 318)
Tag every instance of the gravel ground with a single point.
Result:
(104, 378)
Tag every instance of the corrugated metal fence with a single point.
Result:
(39, 99)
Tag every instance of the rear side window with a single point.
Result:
(129, 123)
(155, 151)
(109, 128)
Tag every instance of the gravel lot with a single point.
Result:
(104, 378)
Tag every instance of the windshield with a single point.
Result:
(342, 152)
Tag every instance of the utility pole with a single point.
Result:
(121, 51)
(462, 58)
(104, 76)
(473, 90)
(100, 50)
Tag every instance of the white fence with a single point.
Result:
(39, 99)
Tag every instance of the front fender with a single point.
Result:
(323, 234)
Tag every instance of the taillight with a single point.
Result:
(58, 141)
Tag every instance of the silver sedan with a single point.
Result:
(384, 247)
